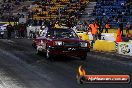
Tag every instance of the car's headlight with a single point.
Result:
(83, 44)
(58, 43)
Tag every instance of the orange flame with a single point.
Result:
(81, 71)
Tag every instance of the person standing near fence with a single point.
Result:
(9, 30)
(16, 30)
(21, 31)
(121, 28)
(127, 28)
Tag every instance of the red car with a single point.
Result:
(61, 42)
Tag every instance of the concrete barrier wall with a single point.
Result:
(103, 45)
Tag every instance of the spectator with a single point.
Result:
(121, 28)
(9, 30)
(16, 30)
(21, 31)
(127, 28)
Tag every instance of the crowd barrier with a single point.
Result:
(32, 29)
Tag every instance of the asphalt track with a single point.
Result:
(20, 67)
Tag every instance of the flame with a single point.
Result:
(81, 71)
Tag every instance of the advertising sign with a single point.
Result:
(108, 36)
(83, 78)
(125, 48)
(104, 36)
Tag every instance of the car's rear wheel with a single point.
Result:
(34, 45)
(38, 52)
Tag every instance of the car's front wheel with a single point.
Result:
(34, 45)
(49, 56)
(38, 52)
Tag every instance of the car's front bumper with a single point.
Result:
(69, 51)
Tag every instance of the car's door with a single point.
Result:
(43, 40)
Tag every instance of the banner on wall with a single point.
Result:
(104, 36)
(125, 48)
(108, 36)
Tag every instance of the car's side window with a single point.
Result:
(43, 32)
(49, 33)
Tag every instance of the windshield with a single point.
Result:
(61, 33)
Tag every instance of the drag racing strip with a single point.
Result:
(47, 69)
(19, 61)
(118, 59)
(18, 74)
(110, 62)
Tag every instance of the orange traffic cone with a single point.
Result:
(118, 37)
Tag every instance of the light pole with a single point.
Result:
(59, 11)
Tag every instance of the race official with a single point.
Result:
(106, 27)
(93, 28)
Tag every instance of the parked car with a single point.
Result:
(2, 30)
(3, 26)
(61, 42)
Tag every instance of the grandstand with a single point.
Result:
(112, 11)
(57, 9)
